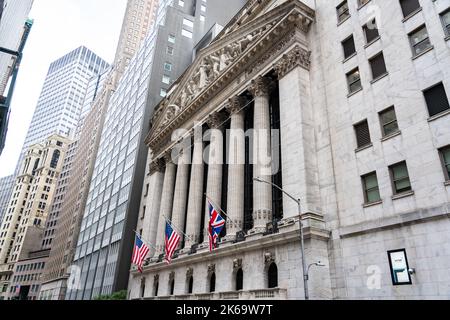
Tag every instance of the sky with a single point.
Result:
(59, 27)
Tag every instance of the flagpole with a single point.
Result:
(171, 223)
(220, 209)
(140, 237)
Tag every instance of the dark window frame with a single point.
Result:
(384, 124)
(395, 180)
(366, 189)
(428, 102)
(373, 60)
(445, 164)
(359, 138)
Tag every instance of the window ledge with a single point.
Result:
(439, 115)
(403, 195)
(342, 21)
(349, 57)
(354, 92)
(422, 53)
(447, 183)
(391, 135)
(364, 148)
(372, 42)
(372, 204)
(412, 14)
(379, 77)
(447, 38)
(363, 5)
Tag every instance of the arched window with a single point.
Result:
(155, 288)
(36, 163)
(239, 280)
(55, 159)
(272, 274)
(190, 284)
(172, 286)
(142, 293)
(212, 282)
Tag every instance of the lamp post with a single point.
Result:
(302, 244)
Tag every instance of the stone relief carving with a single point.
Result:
(211, 269)
(237, 264)
(189, 272)
(269, 257)
(297, 57)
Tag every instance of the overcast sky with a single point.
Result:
(59, 27)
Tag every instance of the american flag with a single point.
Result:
(216, 224)
(172, 240)
(139, 253)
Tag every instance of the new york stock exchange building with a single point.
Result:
(278, 105)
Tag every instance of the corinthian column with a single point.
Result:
(214, 181)
(262, 158)
(181, 187)
(236, 167)
(166, 202)
(194, 211)
(153, 202)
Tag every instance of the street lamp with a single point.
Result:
(302, 244)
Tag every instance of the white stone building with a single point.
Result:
(358, 92)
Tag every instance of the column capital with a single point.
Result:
(157, 166)
(261, 86)
(168, 157)
(296, 57)
(216, 120)
(235, 104)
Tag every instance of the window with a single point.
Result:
(171, 286)
(190, 285)
(409, 6)
(354, 81)
(378, 66)
(400, 178)
(203, 8)
(212, 283)
(445, 157)
(181, 3)
(445, 18)
(171, 38)
(188, 23)
(419, 40)
(239, 280)
(371, 31)
(163, 93)
(169, 50)
(362, 2)
(186, 33)
(166, 79)
(436, 99)
(388, 120)
(349, 47)
(362, 134)
(342, 11)
(55, 159)
(370, 186)
(272, 274)
(167, 66)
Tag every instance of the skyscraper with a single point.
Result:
(29, 205)
(6, 184)
(79, 168)
(105, 241)
(13, 15)
(62, 96)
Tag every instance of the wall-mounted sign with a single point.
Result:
(399, 267)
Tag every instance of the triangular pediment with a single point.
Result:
(236, 40)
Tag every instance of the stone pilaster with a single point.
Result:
(298, 141)
(166, 202)
(181, 188)
(194, 211)
(214, 180)
(262, 158)
(236, 167)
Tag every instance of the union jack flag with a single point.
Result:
(139, 253)
(216, 224)
(172, 240)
